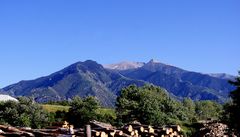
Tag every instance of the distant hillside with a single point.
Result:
(82, 78)
(90, 78)
(182, 83)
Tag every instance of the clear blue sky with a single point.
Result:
(38, 37)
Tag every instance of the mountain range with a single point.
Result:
(105, 82)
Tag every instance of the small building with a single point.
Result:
(7, 98)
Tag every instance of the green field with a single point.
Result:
(54, 108)
(107, 111)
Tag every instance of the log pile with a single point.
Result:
(134, 129)
(214, 129)
(98, 129)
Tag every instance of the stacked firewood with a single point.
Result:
(97, 129)
(214, 129)
(150, 131)
(134, 130)
(104, 130)
(9, 131)
(12, 131)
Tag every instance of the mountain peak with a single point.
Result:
(124, 65)
(154, 61)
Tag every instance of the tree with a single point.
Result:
(82, 111)
(207, 109)
(232, 109)
(127, 104)
(190, 107)
(23, 113)
(149, 105)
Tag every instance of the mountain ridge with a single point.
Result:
(81, 78)
(181, 82)
(90, 78)
(114, 66)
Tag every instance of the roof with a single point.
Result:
(7, 98)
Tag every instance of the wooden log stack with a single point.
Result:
(97, 129)
(134, 130)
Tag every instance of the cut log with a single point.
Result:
(129, 128)
(27, 134)
(48, 130)
(142, 129)
(125, 135)
(96, 133)
(96, 124)
(175, 127)
(1, 132)
(150, 130)
(80, 134)
(111, 134)
(88, 131)
(12, 129)
(103, 134)
(119, 133)
(139, 128)
(40, 133)
(169, 130)
(132, 133)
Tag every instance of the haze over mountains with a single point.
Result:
(90, 78)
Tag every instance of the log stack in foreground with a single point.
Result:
(98, 129)
(134, 129)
